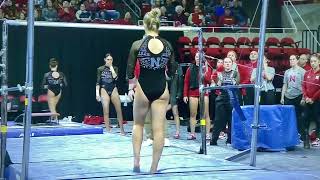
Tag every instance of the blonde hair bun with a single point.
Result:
(155, 13)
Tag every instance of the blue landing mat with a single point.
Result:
(109, 156)
(61, 129)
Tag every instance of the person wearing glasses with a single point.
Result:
(106, 90)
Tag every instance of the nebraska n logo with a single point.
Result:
(292, 78)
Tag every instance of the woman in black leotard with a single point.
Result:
(155, 54)
(106, 89)
(54, 82)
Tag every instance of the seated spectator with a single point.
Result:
(239, 14)
(163, 16)
(210, 18)
(170, 8)
(227, 19)
(156, 4)
(196, 18)
(219, 9)
(179, 17)
(83, 15)
(186, 4)
(125, 21)
(9, 10)
(106, 10)
(22, 16)
(20, 3)
(66, 14)
(175, 3)
(49, 13)
(92, 7)
(37, 13)
(74, 5)
(1, 14)
(39, 3)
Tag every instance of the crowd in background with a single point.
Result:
(181, 12)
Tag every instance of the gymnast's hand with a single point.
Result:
(98, 98)
(131, 94)
(185, 99)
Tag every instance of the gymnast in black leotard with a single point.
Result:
(106, 90)
(155, 55)
(54, 82)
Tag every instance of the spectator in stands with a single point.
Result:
(210, 18)
(49, 13)
(186, 4)
(170, 8)
(239, 14)
(219, 9)
(311, 99)
(292, 89)
(179, 17)
(107, 10)
(20, 3)
(267, 88)
(163, 16)
(92, 7)
(22, 16)
(66, 14)
(191, 94)
(82, 15)
(196, 18)
(1, 14)
(175, 3)
(304, 62)
(157, 4)
(74, 5)
(37, 14)
(227, 19)
(9, 10)
(126, 20)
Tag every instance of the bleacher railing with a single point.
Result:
(134, 7)
(308, 40)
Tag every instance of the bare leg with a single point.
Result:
(148, 126)
(105, 100)
(140, 110)
(158, 114)
(52, 102)
(115, 99)
(176, 117)
(206, 114)
(193, 105)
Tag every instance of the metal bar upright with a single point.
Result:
(28, 91)
(4, 93)
(255, 126)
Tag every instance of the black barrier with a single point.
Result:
(80, 52)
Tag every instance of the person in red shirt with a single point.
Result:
(66, 14)
(311, 99)
(227, 19)
(191, 93)
(107, 10)
(196, 18)
(245, 72)
(303, 62)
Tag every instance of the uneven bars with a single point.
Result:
(229, 87)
